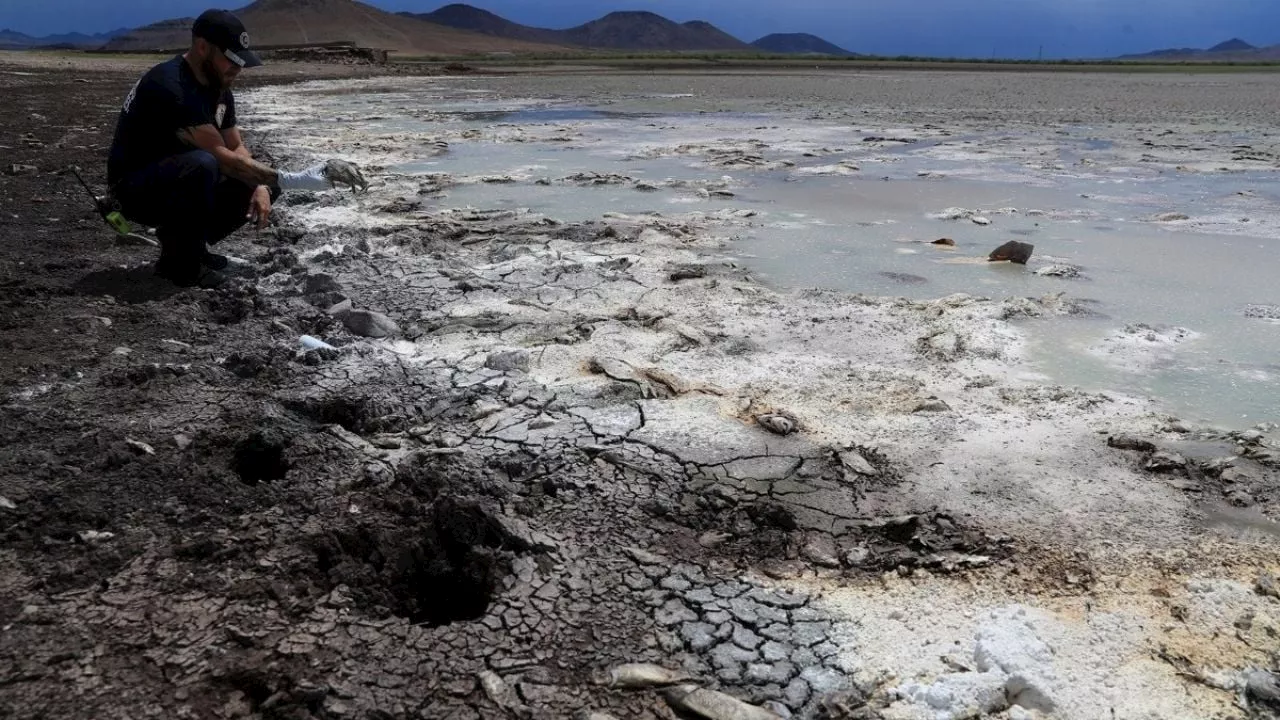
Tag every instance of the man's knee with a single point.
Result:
(200, 166)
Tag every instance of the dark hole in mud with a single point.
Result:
(260, 457)
(445, 569)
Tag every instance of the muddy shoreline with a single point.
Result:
(563, 463)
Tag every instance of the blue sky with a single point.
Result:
(969, 28)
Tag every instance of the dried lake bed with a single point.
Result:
(1007, 491)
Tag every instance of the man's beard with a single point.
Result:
(216, 80)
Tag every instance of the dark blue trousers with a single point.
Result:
(190, 203)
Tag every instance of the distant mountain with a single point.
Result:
(14, 40)
(1232, 45)
(299, 22)
(615, 31)
(1234, 49)
(639, 30)
(466, 17)
(799, 44)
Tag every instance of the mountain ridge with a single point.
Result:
(301, 22)
(800, 44)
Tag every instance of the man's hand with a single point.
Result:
(260, 207)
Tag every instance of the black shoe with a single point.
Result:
(214, 261)
(202, 277)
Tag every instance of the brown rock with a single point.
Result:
(1013, 251)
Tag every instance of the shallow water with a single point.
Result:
(1077, 197)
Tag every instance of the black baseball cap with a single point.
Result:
(227, 33)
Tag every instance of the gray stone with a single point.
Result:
(1131, 442)
(1266, 586)
(771, 614)
(778, 632)
(367, 323)
(778, 598)
(774, 651)
(674, 612)
(826, 650)
(806, 614)
(728, 590)
(744, 610)
(804, 657)
(676, 583)
(508, 361)
(823, 680)
(321, 283)
(725, 631)
(797, 693)
(780, 673)
(698, 636)
(1163, 462)
(744, 638)
(699, 596)
(718, 617)
(932, 405)
(809, 634)
(730, 655)
(821, 551)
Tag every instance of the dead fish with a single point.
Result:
(497, 690)
(853, 461)
(341, 171)
(643, 675)
(140, 447)
(776, 423)
(678, 385)
(713, 705)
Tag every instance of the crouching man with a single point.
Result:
(179, 164)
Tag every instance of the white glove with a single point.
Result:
(313, 178)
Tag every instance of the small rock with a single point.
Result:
(932, 405)
(1171, 217)
(693, 272)
(1266, 585)
(182, 441)
(1131, 442)
(321, 283)
(93, 536)
(1062, 271)
(1164, 461)
(1234, 475)
(508, 361)
(367, 323)
(979, 220)
(821, 551)
(1263, 688)
(1013, 251)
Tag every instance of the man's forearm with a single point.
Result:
(241, 166)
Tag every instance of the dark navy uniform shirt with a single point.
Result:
(167, 99)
